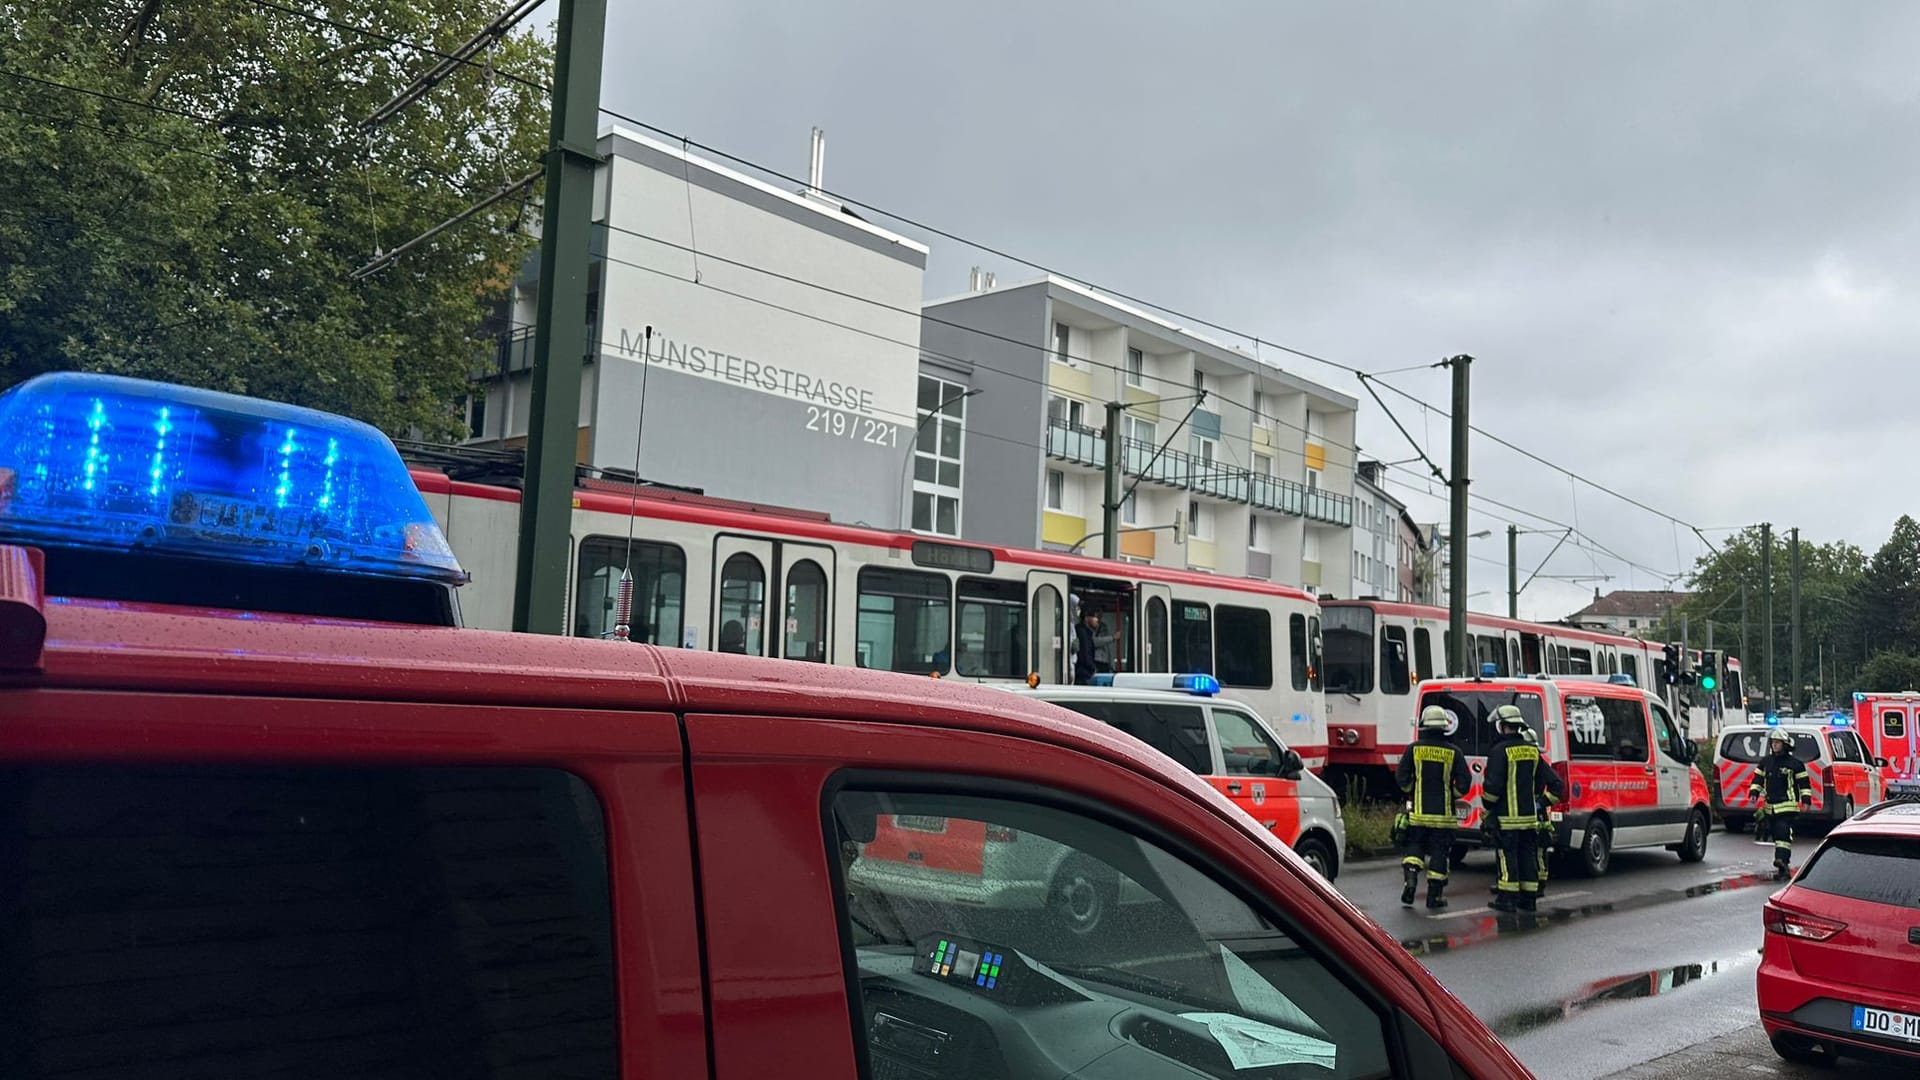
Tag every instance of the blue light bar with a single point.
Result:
(1103, 679)
(1197, 684)
(1488, 671)
(103, 462)
(1620, 679)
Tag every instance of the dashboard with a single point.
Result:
(955, 1008)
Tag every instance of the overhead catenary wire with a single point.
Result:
(377, 35)
(381, 262)
(490, 35)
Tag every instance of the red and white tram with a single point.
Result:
(1378, 651)
(734, 577)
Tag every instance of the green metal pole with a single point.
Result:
(1513, 571)
(1110, 506)
(559, 339)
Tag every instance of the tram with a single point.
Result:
(711, 573)
(1378, 651)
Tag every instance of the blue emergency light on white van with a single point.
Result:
(1488, 671)
(103, 462)
(1620, 678)
(1195, 683)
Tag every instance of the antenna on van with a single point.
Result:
(623, 593)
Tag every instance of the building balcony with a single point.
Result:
(1087, 446)
(512, 353)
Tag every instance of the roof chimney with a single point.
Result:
(817, 167)
(979, 280)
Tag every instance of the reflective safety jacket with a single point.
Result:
(1433, 772)
(1781, 780)
(1518, 784)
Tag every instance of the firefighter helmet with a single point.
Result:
(1433, 717)
(1509, 716)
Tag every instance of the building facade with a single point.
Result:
(1381, 558)
(749, 341)
(1230, 465)
(1432, 567)
(1633, 612)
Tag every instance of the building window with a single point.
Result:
(1064, 410)
(1263, 464)
(1203, 448)
(1143, 431)
(1056, 489)
(1633, 624)
(1199, 381)
(1313, 479)
(1136, 367)
(1256, 532)
(1316, 426)
(1062, 338)
(1199, 522)
(1129, 510)
(477, 415)
(937, 455)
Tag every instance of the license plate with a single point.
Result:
(1886, 1023)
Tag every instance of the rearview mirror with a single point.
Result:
(1291, 766)
(1880, 762)
(1689, 752)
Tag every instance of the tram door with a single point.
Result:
(1156, 608)
(740, 618)
(1051, 635)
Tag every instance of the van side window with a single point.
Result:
(1893, 723)
(1671, 738)
(304, 922)
(1248, 750)
(1178, 731)
(1395, 674)
(1586, 728)
(1076, 937)
(1843, 748)
(1626, 728)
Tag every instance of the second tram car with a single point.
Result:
(734, 577)
(1377, 652)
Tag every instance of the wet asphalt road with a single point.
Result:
(1656, 957)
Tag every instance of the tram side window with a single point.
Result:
(1395, 676)
(743, 606)
(659, 589)
(1297, 649)
(1246, 647)
(1423, 654)
(1630, 667)
(1192, 637)
(991, 635)
(905, 621)
(1579, 662)
(305, 922)
(806, 611)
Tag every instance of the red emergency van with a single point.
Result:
(1844, 775)
(1627, 765)
(265, 811)
(1890, 726)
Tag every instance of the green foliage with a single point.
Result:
(1890, 671)
(204, 229)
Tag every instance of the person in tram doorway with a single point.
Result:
(1517, 786)
(1087, 640)
(1433, 773)
(1781, 788)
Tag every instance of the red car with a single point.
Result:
(1840, 973)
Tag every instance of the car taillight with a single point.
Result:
(1000, 834)
(1786, 921)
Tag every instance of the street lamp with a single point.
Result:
(913, 444)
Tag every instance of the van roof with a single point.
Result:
(105, 645)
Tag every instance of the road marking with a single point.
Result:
(1489, 911)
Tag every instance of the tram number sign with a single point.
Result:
(971, 560)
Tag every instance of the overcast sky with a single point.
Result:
(1681, 240)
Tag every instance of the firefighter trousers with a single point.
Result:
(1519, 860)
(1429, 849)
(1780, 827)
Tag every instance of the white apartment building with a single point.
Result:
(1380, 541)
(1259, 473)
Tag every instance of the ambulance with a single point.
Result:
(268, 810)
(1627, 766)
(1844, 774)
(1889, 725)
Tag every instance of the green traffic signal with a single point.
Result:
(1708, 682)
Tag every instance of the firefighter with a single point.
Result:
(1433, 773)
(1518, 784)
(1781, 788)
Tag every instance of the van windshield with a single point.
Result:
(1475, 710)
(1347, 637)
(1750, 747)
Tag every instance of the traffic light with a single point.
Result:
(1709, 669)
(1671, 669)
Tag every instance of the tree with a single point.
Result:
(1890, 591)
(188, 191)
(1889, 671)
